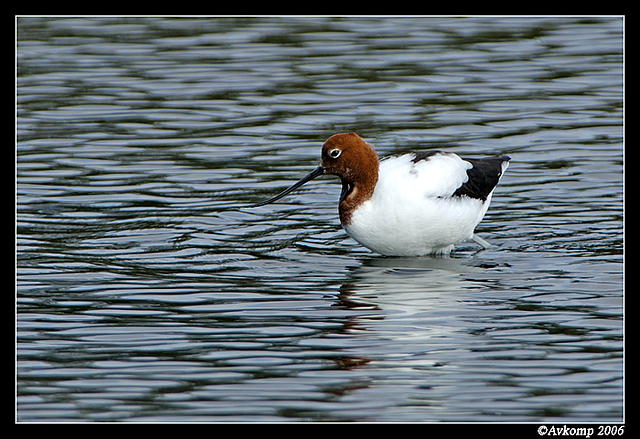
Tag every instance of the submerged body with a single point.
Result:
(411, 204)
(415, 212)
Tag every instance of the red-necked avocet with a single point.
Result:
(411, 204)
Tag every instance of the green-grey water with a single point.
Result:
(143, 296)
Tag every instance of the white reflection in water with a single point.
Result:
(142, 295)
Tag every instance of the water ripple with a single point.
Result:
(142, 295)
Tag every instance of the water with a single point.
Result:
(142, 297)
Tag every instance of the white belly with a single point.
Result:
(434, 225)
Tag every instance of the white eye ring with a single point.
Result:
(334, 153)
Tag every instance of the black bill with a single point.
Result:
(317, 172)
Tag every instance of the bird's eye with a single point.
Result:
(334, 153)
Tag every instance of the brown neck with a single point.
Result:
(356, 192)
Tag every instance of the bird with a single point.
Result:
(409, 204)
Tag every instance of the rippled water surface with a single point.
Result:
(143, 296)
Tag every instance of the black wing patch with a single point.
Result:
(424, 155)
(483, 177)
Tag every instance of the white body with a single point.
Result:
(412, 211)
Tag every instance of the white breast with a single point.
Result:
(412, 212)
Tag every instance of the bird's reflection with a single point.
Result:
(412, 281)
